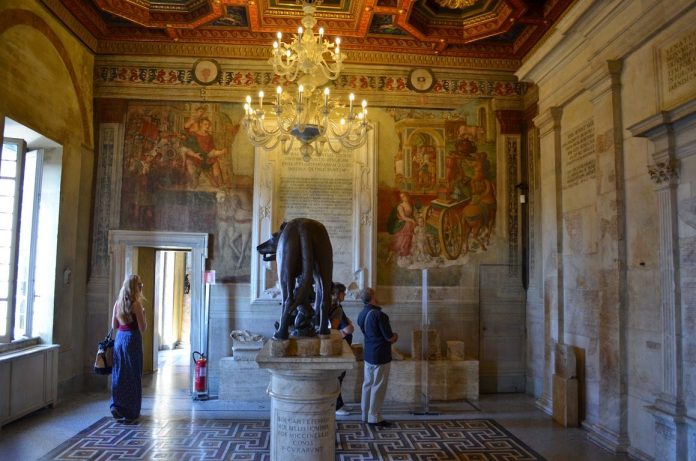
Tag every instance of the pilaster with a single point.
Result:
(611, 428)
(510, 124)
(549, 124)
(673, 428)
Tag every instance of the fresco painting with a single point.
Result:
(179, 175)
(384, 24)
(235, 17)
(437, 207)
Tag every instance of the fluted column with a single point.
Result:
(669, 408)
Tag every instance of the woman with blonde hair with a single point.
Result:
(129, 321)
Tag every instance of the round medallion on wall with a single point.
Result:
(421, 79)
(206, 71)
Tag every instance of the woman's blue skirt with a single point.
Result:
(127, 374)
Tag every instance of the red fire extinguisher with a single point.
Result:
(200, 375)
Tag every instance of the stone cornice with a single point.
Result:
(576, 34)
(548, 120)
(655, 125)
(604, 78)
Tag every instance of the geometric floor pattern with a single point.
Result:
(249, 440)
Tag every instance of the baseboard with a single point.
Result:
(640, 455)
(606, 438)
(72, 386)
(545, 404)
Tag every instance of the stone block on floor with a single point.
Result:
(565, 401)
(242, 380)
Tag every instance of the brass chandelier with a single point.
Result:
(307, 115)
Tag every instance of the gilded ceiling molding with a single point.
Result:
(454, 4)
(264, 52)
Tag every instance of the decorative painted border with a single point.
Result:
(173, 76)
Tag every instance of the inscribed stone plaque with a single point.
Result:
(336, 189)
(322, 189)
(301, 435)
(677, 63)
(579, 161)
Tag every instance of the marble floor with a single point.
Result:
(166, 396)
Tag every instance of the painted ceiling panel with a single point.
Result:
(486, 29)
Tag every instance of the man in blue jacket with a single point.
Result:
(377, 349)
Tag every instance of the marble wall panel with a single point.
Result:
(580, 231)
(643, 301)
(644, 376)
(535, 349)
(638, 78)
(641, 425)
(579, 273)
(688, 287)
(582, 312)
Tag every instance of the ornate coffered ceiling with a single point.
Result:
(495, 31)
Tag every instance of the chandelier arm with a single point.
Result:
(329, 143)
(259, 127)
(310, 60)
(286, 146)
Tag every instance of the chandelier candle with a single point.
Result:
(310, 62)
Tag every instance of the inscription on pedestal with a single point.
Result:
(301, 435)
(322, 189)
(579, 162)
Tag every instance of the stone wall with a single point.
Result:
(613, 215)
(46, 84)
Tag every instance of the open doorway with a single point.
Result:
(171, 322)
(137, 252)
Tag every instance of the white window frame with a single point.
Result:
(15, 244)
(14, 247)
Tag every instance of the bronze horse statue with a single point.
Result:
(303, 252)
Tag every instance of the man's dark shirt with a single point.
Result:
(377, 331)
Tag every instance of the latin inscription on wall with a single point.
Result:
(322, 189)
(678, 70)
(579, 160)
(299, 435)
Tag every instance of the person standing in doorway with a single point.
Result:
(128, 319)
(377, 349)
(340, 321)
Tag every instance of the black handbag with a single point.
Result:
(104, 361)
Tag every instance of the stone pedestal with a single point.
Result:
(565, 401)
(303, 394)
(565, 386)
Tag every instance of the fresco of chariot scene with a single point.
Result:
(183, 170)
(437, 207)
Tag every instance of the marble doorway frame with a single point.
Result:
(121, 246)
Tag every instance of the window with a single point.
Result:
(10, 194)
(29, 200)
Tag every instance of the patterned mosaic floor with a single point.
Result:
(249, 440)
